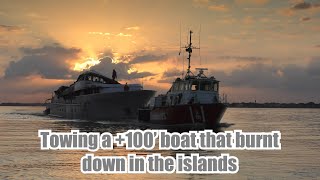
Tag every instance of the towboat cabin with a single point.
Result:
(191, 90)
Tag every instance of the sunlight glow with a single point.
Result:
(86, 65)
(131, 70)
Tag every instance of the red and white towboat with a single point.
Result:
(191, 101)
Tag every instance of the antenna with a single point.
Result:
(182, 64)
(182, 52)
(199, 43)
(180, 40)
(189, 48)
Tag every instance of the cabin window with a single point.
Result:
(209, 86)
(176, 87)
(95, 79)
(182, 86)
(205, 86)
(216, 87)
(195, 86)
(186, 86)
(90, 78)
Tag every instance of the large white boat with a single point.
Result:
(96, 97)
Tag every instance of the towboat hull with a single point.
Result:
(208, 115)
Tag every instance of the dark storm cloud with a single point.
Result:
(49, 62)
(302, 5)
(147, 58)
(106, 66)
(290, 78)
(305, 5)
(6, 28)
(305, 19)
(170, 75)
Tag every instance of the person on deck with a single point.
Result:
(126, 87)
(114, 74)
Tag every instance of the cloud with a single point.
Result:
(50, 62)
(37, 17)
(33, 77)
(106, 66)
(200, 3)
(147, 58)
(286, 12)
(248, 20)
(133, 28)
(305, 19)
(55, 62)
(6, 28)
(289, 78)
(170, 75)
(302, 5)
(220, 8)
(243, 58)
(3, 13)
(314, 68)
(174, 72)
(255, 2)
(110, 34)
(28, 89)
(123, 35)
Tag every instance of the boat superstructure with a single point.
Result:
(94, 96)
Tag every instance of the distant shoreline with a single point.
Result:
(22, 104)
(273, 105)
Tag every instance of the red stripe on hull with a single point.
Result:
(206, 114)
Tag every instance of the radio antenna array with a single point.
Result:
(199, 43)
(189, 47)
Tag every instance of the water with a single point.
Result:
(21, 157)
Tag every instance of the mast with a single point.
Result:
(189, 48)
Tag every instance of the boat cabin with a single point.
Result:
(191, 90)
(95, 77)
(195, 85)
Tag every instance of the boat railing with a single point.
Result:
(48, 101)
(223, 99)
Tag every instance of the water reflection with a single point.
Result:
(21, 157)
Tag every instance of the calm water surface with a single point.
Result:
(21, 157)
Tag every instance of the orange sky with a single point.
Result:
(266, 50)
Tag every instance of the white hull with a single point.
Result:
(101, 106)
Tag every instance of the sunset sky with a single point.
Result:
(264, 50)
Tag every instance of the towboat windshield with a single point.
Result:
(195, 85)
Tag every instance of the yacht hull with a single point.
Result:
(207, 115)
(100, 106)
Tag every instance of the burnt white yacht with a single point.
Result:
(96, 97)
